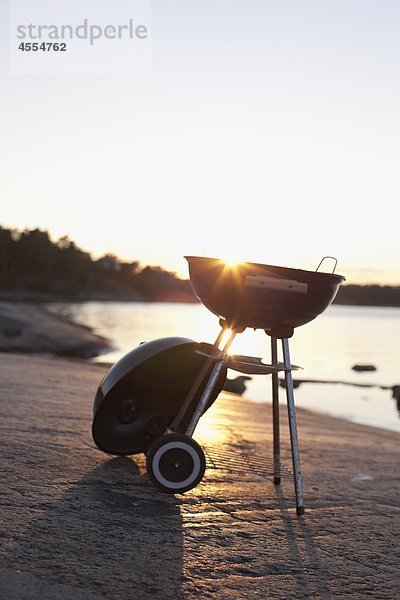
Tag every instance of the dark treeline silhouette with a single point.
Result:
(33, 267)
(368, 295)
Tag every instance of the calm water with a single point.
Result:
(326, 349)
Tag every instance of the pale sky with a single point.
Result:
(268, 130)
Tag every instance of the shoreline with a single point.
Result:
(75, 520)
(31, 328)
(28, 328)
(40, 299)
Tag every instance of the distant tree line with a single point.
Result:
(368, 295)
(33, 267)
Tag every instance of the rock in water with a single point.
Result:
(237, 385)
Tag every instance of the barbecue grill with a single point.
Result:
(152, 399)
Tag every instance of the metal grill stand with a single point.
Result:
(250, 365)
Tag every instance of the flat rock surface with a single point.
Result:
(30, 328)
(78, 524)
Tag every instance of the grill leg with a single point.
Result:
(275, 413)
(211, 383)
(293, 428)
(198, 381)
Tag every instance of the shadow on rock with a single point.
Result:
(109, 534)
(312, 578)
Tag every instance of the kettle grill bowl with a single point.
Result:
(261, 296)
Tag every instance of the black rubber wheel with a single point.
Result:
(175, 463)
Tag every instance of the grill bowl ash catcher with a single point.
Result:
(151, 400)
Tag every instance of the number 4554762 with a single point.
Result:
(44, 46)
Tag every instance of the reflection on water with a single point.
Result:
(326, 348)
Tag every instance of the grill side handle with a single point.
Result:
(276, 283)
(328, 258)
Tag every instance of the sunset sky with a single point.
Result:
(267, 130)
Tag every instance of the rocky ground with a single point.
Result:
(78, 524)
(30, 328)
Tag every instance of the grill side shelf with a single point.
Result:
(250, 365)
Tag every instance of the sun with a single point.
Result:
(231, 259)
